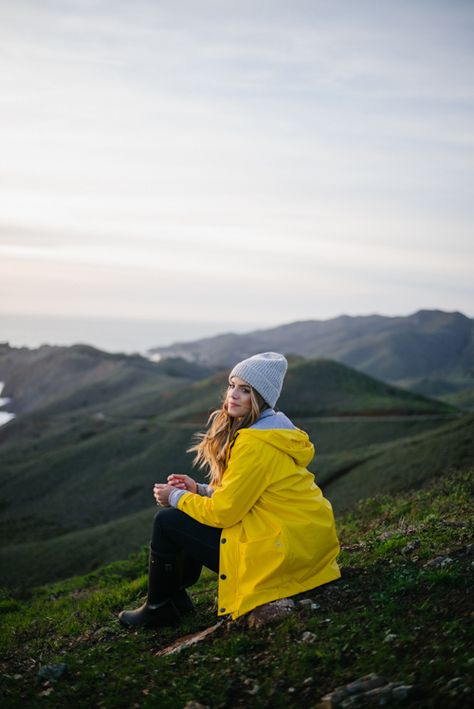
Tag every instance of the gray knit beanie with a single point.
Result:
(265, 373)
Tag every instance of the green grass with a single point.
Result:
(332, 435)
(39, 562)
(389, 613)
(402, 465)
(463, 399)
(319, 387)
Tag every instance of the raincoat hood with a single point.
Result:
(294, 442)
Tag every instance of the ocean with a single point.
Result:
(109, 334)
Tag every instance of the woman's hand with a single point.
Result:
(161, 493)
(183, 482)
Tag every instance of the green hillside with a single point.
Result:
(34, 563)
(66, 474)
(312, 388)
(64, 379)
(401, 610)
(396, 466)
(94, 470)
(325, 387)
(45, 538)
(462, 399)
(95, 475)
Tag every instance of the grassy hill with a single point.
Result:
(401, 610)
(398, 465)
(325, 387)
(92, 470)
(48, 542)
(33, 563)
(312, 388)
(94, 476)
(462, 399)
(67, 476)
(56, 379)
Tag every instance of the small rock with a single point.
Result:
(401, 691)
(333, 699)
(192, 704)
(379, 695)
(52, 673)
(454, 684)
(305, 603)
(308, 604)
(411, 546)
(390, 637)
(368, 691)
(386, 535)
(102, 633)
(353, 547)
(308, 637)
(253, 684)
(438, 562)
(371, 681)
(355, 702)
(270, 612)
(46, 692)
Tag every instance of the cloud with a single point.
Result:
(327, 147)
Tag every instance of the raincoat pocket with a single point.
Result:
(260, 563)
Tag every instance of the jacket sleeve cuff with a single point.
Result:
(175, 496)
(204, 490)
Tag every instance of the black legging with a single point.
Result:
(175, 532)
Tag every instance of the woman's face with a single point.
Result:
(238, 400)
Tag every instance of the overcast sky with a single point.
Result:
(236, 161)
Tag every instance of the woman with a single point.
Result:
(262, 523)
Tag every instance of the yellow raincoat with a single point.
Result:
(278, 532)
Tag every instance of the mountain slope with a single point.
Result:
(395, 349)
(397, 466)
(69, 378)
(322, 387)
(400, 610)
(312, 388)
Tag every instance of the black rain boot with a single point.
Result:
(163, 582)
(190, 571)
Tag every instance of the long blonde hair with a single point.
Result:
(214, 444)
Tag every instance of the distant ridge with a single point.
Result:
(403, 350)
(70, 378)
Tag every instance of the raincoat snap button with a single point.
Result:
(222, 610)
(223, 577)
(223, 541)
